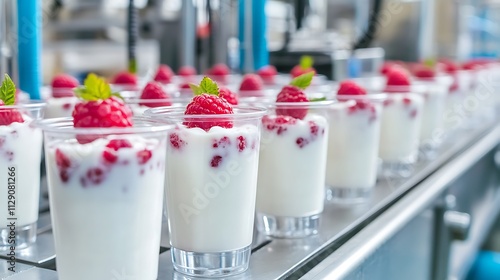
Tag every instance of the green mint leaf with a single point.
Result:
(116, 94)
(94, 88)
(208, 86)
(196, 89)
(8, 91)
(306, 62)
(430, 62)
(303, 81)
(318, 99)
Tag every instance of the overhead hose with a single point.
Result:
(366, 40)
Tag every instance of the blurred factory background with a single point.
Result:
(346, 37)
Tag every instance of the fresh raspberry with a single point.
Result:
(176, 142)
(350, 88)
(207, 104)
(144, 156)
(117, 144)
(291, 94)
(216, 161)
(267, 73)
(278, 123)
(164, 74)
(223, 143)
(125, 78)
(251, 82)
(424, 72)
(111, 112)
(398, 80)
(95, 175)
(186, 71)
(298, 70)
(220, 69)
(154, 91)
(8, 116)
(242, 143)
(64, 164)
(448, 66)
(228, 95)
(63, 85)
(185, 86)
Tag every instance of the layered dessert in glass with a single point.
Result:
(62, 100)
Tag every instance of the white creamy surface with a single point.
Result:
(292, 179)
(434, 104)
(353, 147)
(400, 131)
(60, 107)
(211, 209)
(109, 227)
(21, 147)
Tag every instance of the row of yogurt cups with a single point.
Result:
(217, 204)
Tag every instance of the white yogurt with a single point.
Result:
(106, 225)
(400, 130)
(60, 107)
(434, 105)
(353, 142)
(211, 187)
(21, 151)
(292, 167)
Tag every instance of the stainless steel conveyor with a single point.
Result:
(406, 231)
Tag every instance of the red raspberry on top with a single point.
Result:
(350, 88)
(424, 72)
(448, 66)
(125, 78)
(64, 81)
(294, 93)
(164, 74)
(398, 80)
(305, 66)
(207, 102)
(186, 71)
(251, 82)
(267, 73)
(154, 91)
(63, 85)
(110, 112)
(100, 107)
(228, 95)
(9, 115)
(219, 69)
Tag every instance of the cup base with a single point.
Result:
(347, 195)
(211, 264)
(24, 237)
(288, 227)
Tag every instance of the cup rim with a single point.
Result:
(32, 104)
(369, 96)
(173, 100)
(65, 125)
(259, 101)
(177, 113)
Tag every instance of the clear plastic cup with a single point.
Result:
(21, 152)
(139, 106)
(212, 163)
(400, 130)
(292, 165)
(106, 197)
(352, 161)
